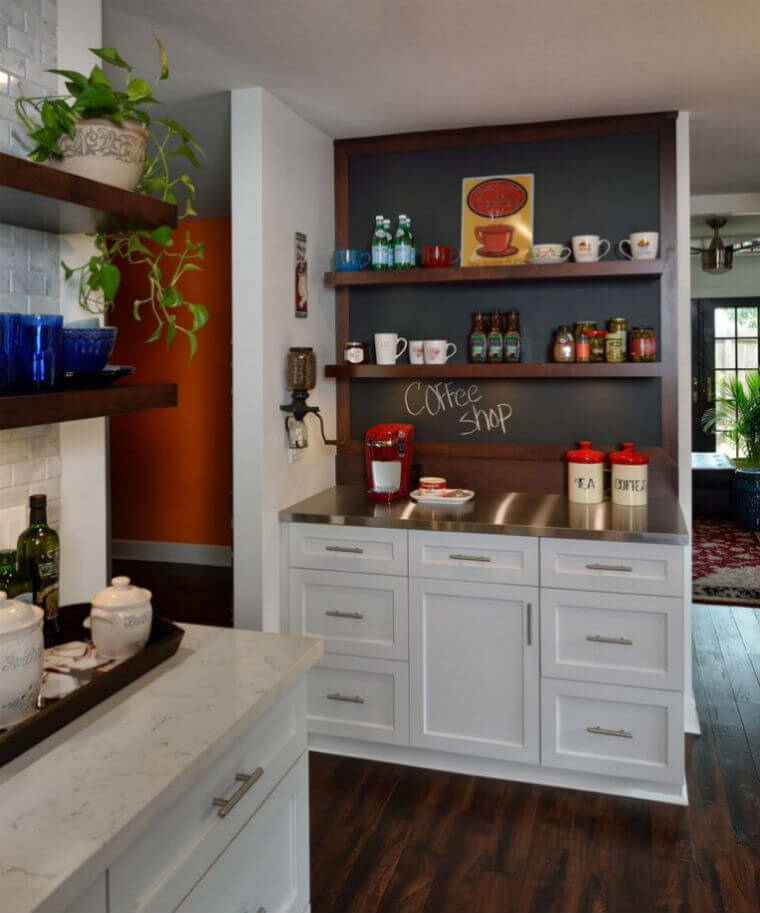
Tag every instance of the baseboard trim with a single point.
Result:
(172, 552)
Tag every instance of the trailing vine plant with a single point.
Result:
(47, 119)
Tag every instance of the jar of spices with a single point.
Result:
(582, 346)
(597, 343)
(356, 353)
(588, 326)
(585, 475)
(564, 345)
(629, 476)
(617, 339)
(651, 344)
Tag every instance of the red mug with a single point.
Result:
(439, 255)
(495, 238)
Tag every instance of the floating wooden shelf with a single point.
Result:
(529, 371)
(46, 199)
(551, 271)
(69, 405)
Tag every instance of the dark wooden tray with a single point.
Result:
(164, 642)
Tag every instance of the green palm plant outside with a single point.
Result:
(737, 414)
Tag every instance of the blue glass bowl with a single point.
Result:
(86, 351)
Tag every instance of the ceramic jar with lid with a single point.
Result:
(630, 470)
(585, 474)
(21, 658)
(120, 619)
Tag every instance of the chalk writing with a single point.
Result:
(435, 399)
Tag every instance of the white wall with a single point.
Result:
(282, 182)
(743, 281)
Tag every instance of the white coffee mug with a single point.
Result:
(549, 252)
(642, 245)
(416, 352)
(437, 351)
(387, 349)
(588, 248)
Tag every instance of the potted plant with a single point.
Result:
(737, 414)
(109, 135)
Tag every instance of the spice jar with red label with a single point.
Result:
(630, 470)
(585, 474)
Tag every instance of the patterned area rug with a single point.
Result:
(725, 563)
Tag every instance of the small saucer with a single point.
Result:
(507, 252)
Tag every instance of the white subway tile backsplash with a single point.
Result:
(5, 476)
(13, 450)
(16, 496)
(29, 471)
(45, 445)
(50, 487)
(53, 467)
(25, 44)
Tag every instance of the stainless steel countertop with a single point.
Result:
(516, 513)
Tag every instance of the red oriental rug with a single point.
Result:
(725, 563)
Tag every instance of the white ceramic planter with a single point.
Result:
(104, 151)
(21, 657)
(120, 619)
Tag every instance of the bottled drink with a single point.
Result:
(10, 580)
(401, 251)
(478, 341)
(495, 351)
(38, 558)
(512, 341)
(389, 239)
(410, 241)
(379, 246)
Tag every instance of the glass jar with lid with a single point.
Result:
(629, 476)
(585, 474)
(597, 344)
(564, 345)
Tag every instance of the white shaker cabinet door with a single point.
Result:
(474, 669)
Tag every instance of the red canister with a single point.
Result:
(630, 470)
(585, 474)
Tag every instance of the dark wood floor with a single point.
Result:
(391, 838)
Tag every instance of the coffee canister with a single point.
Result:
(585, 474)
(630, 470)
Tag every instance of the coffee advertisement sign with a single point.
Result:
(497, 219)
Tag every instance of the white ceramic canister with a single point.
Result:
(120, 619)
(630, 470)
(585, 474)
(21, 659)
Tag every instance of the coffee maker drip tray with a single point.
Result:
(386, 475)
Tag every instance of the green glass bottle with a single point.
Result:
(38, 555)
(11, 582)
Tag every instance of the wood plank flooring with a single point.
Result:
(399, 840)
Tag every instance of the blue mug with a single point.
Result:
(346, 260)
(41, 354)
(10, 348)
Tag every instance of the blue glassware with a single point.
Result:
(41, 356)
(345, 260)
(10, 344)
(85, 350)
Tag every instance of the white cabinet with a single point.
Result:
(476, 557)
(348, 548)
(93, 900)
(474, 663)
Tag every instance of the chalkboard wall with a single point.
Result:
(606, 185)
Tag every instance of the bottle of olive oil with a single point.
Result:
(38, 557)
(11, 582)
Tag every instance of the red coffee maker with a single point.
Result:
(388, 452)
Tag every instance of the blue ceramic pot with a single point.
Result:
(745, 498)
(85, 350)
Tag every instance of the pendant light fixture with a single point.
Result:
(717, 258)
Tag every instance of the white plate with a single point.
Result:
(540, 261)
(439, 497)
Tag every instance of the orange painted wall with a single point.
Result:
(171, 469)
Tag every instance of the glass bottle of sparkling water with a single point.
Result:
(399, 244)
(389, 239)
(410, 242)
(379, 246)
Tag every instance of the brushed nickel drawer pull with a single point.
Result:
(599, 639)
(336, 613)
(600, 730)
(529, 623)
(608, 567)
(226, 805)
(344, 548)
(482, 558)
(337, 696)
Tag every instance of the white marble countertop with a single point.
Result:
(70, 806)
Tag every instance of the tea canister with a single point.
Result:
(585, 474)
(630, 470)
(120, 619)
(21, 659)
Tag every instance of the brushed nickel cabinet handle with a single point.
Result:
(226, 805)
(529, 623)
(609, 567)
(344, 548)
(336, 613)
(599, 639)
(600, 730)
(482, 558)
(337, 696)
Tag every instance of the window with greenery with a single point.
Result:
(736, 352)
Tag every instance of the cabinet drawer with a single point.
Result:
(358, 614)
(359, 699)
(266, 867)
(625, 732)
(612, 567)
(475, 557)
(609, 637)
(348, 548)
(159, 869)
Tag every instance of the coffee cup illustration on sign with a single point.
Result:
(497, 220)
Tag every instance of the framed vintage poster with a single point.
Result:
(302, 276)
(497, 219)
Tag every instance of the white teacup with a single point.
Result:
(549, 252)
(387, 349)
(437, 351)
(642, 245)
(588, 248)
(416, 352)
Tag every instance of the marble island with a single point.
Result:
(228, 708)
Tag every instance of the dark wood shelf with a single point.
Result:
(551, 271)
(46, 199)
(69, 405)
(524, 371)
